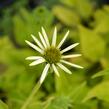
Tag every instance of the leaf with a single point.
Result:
(21, 30)
(92, 45)
(70, 3)
(16, 75)
(65, 81)
(83, 7)
(92, 104)
(40, 14)
(105, 59)
(35, 105)
(101, 25)
(3, 105)
(65, 15)
(5, 46)
(101, 73)
(101, 91)
(26, 23)
(79, 92)
(60, 102)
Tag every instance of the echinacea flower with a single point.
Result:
(50, 54)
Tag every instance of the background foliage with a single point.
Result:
(88, 22)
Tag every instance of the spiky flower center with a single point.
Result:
(52, 55)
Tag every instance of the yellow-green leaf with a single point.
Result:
(101, 73)
(65, 15)
(93, 46)
(3, 105)
(101, 91)
(84, 8)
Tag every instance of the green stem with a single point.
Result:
(34, 91)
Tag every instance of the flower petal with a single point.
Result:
(42, 39)
(45, 37)
(69, 47)
(54, 37)
(64, 68)
(62, 41)
(55, 70)
(34, 46)
(44, 73)
(73, 65)
(37, 41)
(39, 61)
(33, 57)
(71, 56)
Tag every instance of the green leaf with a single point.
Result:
(65, 81)
(60, 102)
(40, 14)
(92, 45)
(101, 73)
(21, 30)
(3, 105)
(65, 15)
(101, 25)
(79, 92)
(87, 105)
(16, 75)
(5, 46)
(26, 23)
(83, 7)
(101, 91)
(70, 3)
(35, 105)
(105, 59)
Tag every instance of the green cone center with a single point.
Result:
(52, 55)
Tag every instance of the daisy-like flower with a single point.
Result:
(50, 54)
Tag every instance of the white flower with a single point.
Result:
(50, 54)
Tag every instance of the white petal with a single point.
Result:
(73, 65)
(62, 41)
(69, 47)
(39, 61)
(64, 68)
(71, 56)
(42, 39)
(55, 70)
(37, 41)
(44, 73)
(45, 37)
(33, 57)
(34, 46)
(54, 37)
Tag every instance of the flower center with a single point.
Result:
(52, 55)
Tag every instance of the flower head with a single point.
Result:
(50, 54)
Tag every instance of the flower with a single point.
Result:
(50, 54)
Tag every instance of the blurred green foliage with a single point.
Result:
(27, 23)
(3, 105)
(88, 24)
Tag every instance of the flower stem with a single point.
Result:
(34, 91)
